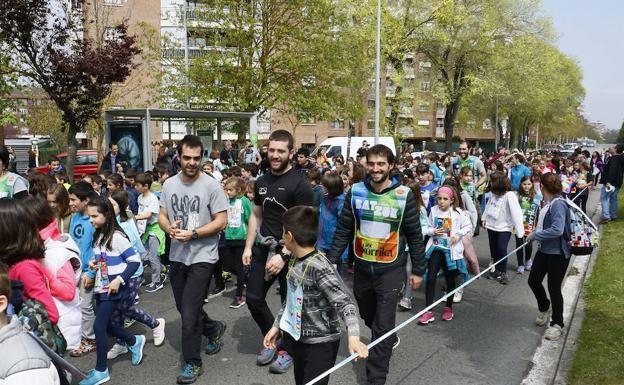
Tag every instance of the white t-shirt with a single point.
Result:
(147, 203)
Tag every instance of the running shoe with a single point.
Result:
(238, 302)
(87, 345)
(528, 265)
(520, 270)
(137, 349)
(553, 333)
(153, 287)
(159, 332)
(189, 374)
(458, 296)
(447, 314)
(426, 318)
(116, 351)
(95, 377)
(542, 318)
(215, 341)
(128, 322)
(502, 279)
(265, 356)
(282, 363)
(405, 304)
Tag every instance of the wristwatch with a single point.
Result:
(195, 235)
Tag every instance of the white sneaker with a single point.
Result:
(159, 332)
(553, 333)
(493, 268)
(542, 318)
(116, 351)
(405, 303)
(528, 265)
(457, 297)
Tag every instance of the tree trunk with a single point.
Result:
(72, 150)
(450, 115)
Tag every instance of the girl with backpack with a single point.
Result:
(552, 257)
(114, 263)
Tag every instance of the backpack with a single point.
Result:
(583, 232)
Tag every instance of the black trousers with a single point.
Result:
(498, 247)
(190, 287)
(377, 297)
(257, 288)
(555, 267)
(310, 360)
(232, 260)
(437, 261)
(520, 254)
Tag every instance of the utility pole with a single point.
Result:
(377, 71)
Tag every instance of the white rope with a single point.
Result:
(416, 316)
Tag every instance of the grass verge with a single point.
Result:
(599, 358)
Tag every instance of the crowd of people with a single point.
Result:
(79, 254)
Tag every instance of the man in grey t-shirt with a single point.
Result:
(193, 211)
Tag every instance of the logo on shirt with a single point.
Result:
(262, 190)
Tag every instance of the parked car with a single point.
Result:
(551, 147)
(338, 145)
(86, 163)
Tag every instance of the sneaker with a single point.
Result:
(553, 333)
(502, 279)
(458, 296)
(426, 318)
(128, 322)
(95, 377)
(238, 302)
(189, 374)
(528, 265)
(396, 343)
(492, 275)
(217, 291)
(405, 304)
(214, 342)
(159, 332)
(542, 318)
(116, 351)
(153, 287)
(520, 270)
(86, 346)
(137, 349)
(447, 314)
(265, 356)
(282, 363)
(492, 268)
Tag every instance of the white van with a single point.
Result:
(338, 145)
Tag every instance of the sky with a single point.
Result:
(592, 33)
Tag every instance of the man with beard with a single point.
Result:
(380, 218)
(193, 210)
(464, 159)
(281, 188)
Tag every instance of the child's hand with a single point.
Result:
(438, 231)
(92, 265)
(356, 346)
(87, 282)
(415, 281)
(454, 239)
(271, 338)
(113, 287)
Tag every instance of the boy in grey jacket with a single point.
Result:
(23, 360)
(317, 297)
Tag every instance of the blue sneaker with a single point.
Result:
(282, 363)
(214, 342)
(189, 374)
(95, 377)
(266, 356)
(137, 350)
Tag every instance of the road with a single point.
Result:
(491, 340)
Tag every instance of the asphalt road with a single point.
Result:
(491, 340)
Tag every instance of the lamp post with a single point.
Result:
(377, 70)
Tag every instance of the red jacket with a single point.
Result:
(36, 284)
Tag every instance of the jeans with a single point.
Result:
(257, 288)
(608, 201)
(555, 266)
(498, 247)
(310, 360)
(190, 287)
(103, 323)
(377, 297)
(87, 310)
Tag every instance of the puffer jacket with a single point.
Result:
(410, 235)
(329, 213)
(23, 360)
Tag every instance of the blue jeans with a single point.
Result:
(608, 201)
(498, 247)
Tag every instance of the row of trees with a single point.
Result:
(306, 58)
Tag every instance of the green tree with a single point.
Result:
(620, 138)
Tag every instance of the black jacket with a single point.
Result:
(106, 162)
(613, 172)
(411, 235)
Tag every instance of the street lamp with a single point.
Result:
(377, 70)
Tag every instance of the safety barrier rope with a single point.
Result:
(416, 316)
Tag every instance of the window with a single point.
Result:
(113, 2)
(307, 118)
(424, 66)
(337, 124)
(423, 122)
(335, 150)
(425, 86)
(423, 107)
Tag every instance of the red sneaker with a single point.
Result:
(447, 314)
(426, 318)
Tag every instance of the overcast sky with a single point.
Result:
(592, 32)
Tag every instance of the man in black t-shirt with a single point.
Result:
(281, 188)
(361, 152)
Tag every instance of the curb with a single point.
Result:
(545, 365)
